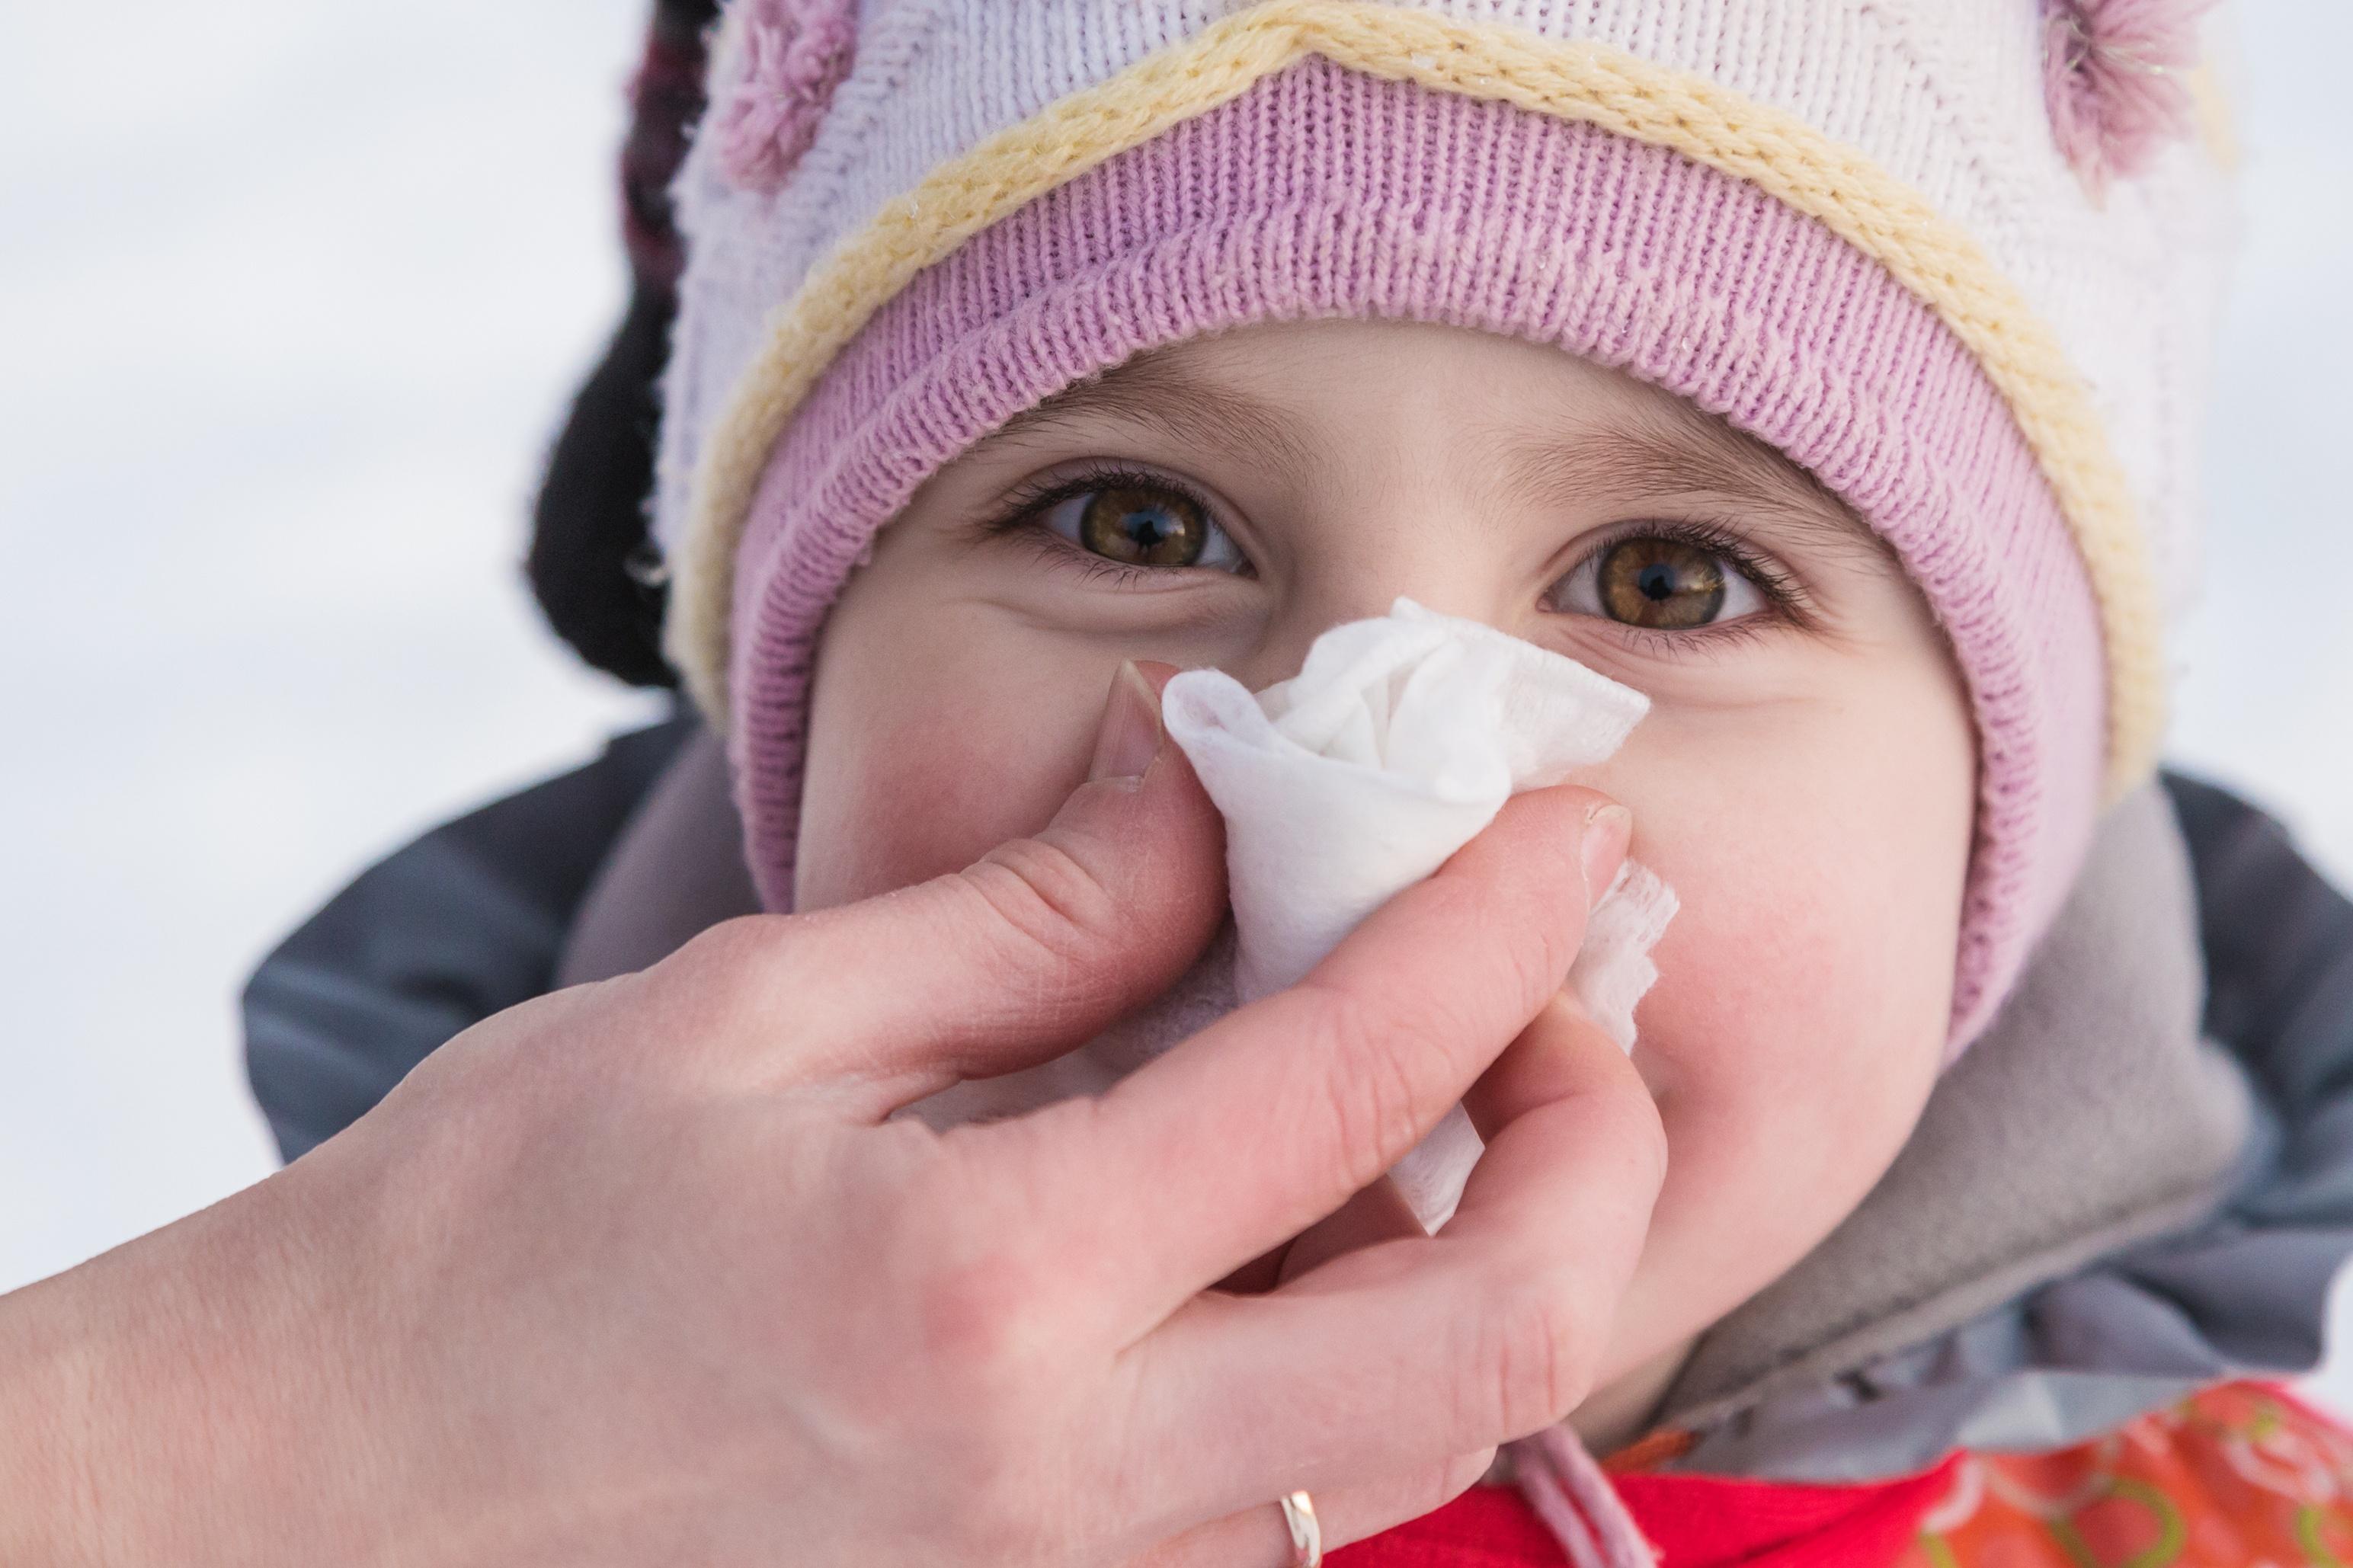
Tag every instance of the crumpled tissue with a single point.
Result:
(1398, 741)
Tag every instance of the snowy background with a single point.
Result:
(293, 295)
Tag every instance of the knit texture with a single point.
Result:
(1436, 207)
(1877, 234)
(1827, 105)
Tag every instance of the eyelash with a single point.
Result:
(1785, 597)
(1027, 502)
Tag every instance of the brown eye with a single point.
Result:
(1144, 527)
(1140, 524)
(1663, 585)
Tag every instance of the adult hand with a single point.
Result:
(646, 1272)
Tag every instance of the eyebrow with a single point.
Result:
(1667, 447)
(1157, 393)
(1671, 448)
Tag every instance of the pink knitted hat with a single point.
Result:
(1956, 258)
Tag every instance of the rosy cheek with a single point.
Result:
(930, 750)
(1805, 982)
(928, 786)
(1803, 997)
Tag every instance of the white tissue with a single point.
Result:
(1397, 743)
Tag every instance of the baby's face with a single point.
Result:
(1804, 780)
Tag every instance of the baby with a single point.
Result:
(1824, 371)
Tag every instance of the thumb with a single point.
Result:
(1025, 953)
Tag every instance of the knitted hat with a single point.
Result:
(1956, 258)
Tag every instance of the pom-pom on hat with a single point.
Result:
(1956, 258)
(2118, 81)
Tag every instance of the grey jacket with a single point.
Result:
(2139, 1182)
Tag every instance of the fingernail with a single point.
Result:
(1609, 828)
(1130, 736)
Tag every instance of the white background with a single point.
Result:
(291, 297)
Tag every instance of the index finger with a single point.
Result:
(1271, 1118)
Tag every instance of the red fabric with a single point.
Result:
(1699, 1521)
(1696, 1521)
(1487, 1527)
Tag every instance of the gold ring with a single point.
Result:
(1306, 1534)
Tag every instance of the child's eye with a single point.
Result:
(1142, 525)
(1659, 584)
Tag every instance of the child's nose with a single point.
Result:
(1436, 565)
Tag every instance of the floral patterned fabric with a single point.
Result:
(2244, 1474)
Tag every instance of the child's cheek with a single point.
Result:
(942, 765)
(1810, 993)
(1803, 996)
(1819, 866)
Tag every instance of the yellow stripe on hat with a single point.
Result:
(1866, 206)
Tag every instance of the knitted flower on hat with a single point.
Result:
(794, 54)
(2117, 78)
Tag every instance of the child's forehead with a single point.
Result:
(1278, 396)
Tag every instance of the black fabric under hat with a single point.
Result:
(592, 565)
